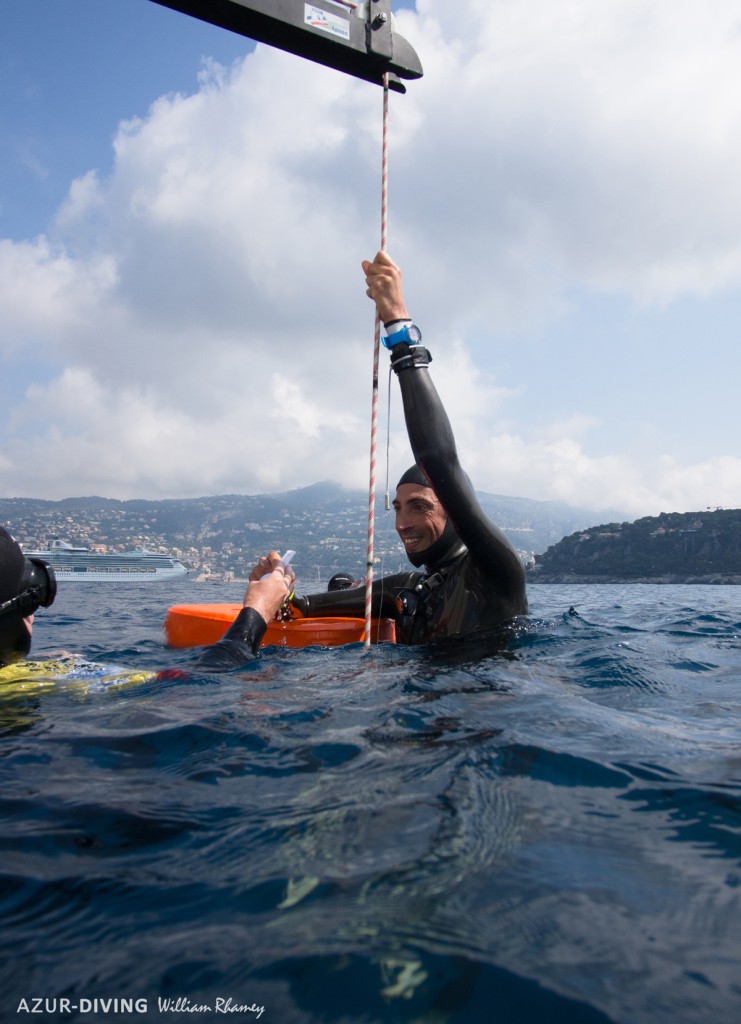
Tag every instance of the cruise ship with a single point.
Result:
(84, 565)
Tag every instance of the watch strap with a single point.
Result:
(410, 334)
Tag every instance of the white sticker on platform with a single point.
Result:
(327, 22)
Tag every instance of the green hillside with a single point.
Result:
(698, 547)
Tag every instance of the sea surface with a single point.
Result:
(550, 835)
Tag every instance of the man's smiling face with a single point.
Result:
(420, 518)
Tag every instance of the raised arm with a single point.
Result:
(430, 433)
(432, 442)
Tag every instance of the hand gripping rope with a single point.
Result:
(376, 350)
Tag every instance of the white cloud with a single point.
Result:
(45, 294)
(561, 470)
(589, 142)
(206, 299)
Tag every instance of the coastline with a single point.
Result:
(710, 579)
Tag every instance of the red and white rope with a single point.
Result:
(376, 351)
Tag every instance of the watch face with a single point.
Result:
(414, 334)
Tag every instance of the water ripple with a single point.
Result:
(451, 835)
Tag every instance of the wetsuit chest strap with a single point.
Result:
(411, 602)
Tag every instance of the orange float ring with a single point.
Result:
(196, 625)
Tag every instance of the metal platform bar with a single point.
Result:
(355, 38)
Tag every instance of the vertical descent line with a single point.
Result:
(376, 350)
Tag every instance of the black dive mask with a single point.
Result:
(37, 589)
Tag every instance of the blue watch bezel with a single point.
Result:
(403, 335)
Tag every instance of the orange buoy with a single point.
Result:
(195, 625)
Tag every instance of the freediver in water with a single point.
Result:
(27, 584)
(469, 580)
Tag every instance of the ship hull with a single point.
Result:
(116, 575)
(80, 565)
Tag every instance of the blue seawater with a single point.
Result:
(546, 836)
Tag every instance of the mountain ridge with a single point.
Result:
(222, 534)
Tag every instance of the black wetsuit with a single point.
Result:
(238, 645)
(473, 581)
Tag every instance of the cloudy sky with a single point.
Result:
(183, 215)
